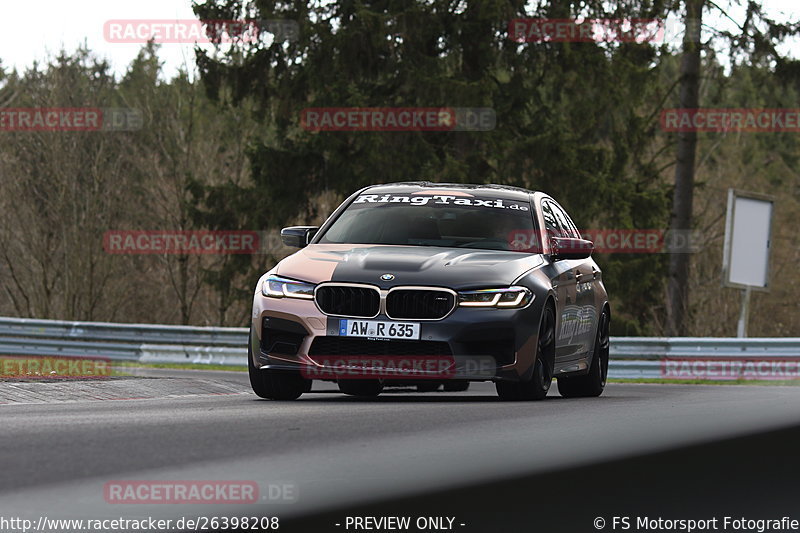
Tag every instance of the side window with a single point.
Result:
(550, 222)
(565, 223)
(556, 221)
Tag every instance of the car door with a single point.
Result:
(562, 276)
(584, 313)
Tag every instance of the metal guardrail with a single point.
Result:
(631, 357)
(68, 348)
(629, 369)
(649, 348)
(115, 332)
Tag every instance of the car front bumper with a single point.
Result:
(482, 343)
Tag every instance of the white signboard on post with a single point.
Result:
(745, 257)
(748, 229)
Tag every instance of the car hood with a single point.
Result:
(457, 268)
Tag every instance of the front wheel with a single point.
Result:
(275, 385)
(536, 388)
(593, 383)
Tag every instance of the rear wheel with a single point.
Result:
(275, 385)
(365, 388)
(536, 388)
(593, 383)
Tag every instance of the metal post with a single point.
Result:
(741, 330)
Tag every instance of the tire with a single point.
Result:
(592, 384)
(535, 388)
(364, 388)
(275, 385)
(455, 386)
(428, 386)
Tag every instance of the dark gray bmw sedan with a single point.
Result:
(451, 283)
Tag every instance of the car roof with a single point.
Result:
(490, 189)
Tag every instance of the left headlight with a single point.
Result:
(278, 287)
(511, 297)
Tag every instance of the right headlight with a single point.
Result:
(511, 297)
(278, 287)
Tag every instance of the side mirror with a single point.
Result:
(298, 236)
(569, 248)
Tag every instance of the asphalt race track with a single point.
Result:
(668, 449)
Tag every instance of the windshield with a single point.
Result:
(451, 220)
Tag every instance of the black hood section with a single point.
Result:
(428, 265)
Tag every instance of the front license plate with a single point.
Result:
(378, 329)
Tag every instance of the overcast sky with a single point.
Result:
(46, 26)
